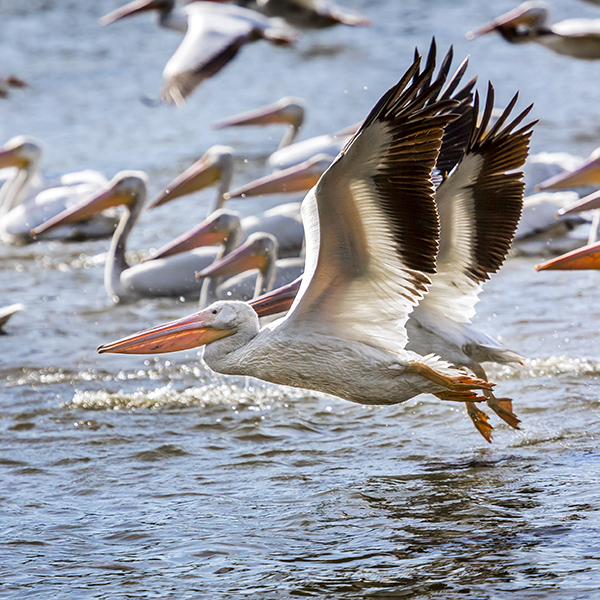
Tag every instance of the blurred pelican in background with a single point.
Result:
(530, 22)
(27, 200)
(170, 14)
(217, 165)
(6, 312)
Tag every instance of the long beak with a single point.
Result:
(587, 257)
(274, 113)
(84, 210)
(9, 159)
(276, 301)
(587, 174)
(200, 175)
(204, 234)
(190, 332)
(298, 178)
(513, 18)
(244, 258)
(135, 7)
(590, 202)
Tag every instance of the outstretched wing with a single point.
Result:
(479, 206)
(371, 222)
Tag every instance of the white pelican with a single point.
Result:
(217, 164)
(289, 110)
(215, 34)
(311, 14)
(479, 204)
(252, 269)
(530, 22)
(170, 16)
(26, 200)
(167, 275)
(372, 239)
(6, 312)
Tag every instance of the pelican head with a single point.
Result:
(221, 319)
(529, 15)
(127, 188)
(288, 110)
(586, 174)
(20, 151)
(259, 251)
(136, 7)
(220, 227)
(215, 165)
(299, 178)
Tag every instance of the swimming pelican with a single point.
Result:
(217, 164)
(530, 22)
(27, 201)
(311, 14)
(251, 270)
(11, 81)
(215, 34)
(167, 275)
(170, 16)
(372, 238)
(6, 312)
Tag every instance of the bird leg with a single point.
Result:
(480, 420)
(456, 388)
(501, 406)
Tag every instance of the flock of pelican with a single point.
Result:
(366, 289)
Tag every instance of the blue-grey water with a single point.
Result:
(129, 477)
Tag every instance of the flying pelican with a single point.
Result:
(168, 275)
(530, 22)
(372, 239)
(217, 164)
(215, 34)
(170, 16)
(477, 184)
(27, 201)
(252, 269)
(6, 312)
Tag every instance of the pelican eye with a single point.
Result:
(214, 311)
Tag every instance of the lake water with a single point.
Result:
(136, 477)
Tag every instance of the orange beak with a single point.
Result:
(204, 234)
(299, 178)
(514, 18)
(587, 174)
(244, 258)
(200, 175)
(85, 209)
(590, 202)
(587, 257)
(276, 301)
(183, 334)
(135, 7)
(268, 115)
